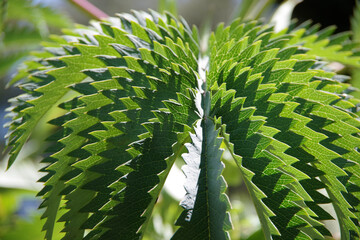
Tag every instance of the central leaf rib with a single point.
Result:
(206, 205)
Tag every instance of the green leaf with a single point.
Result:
(206, 205)
(124, 98)
(332, 48)
(141, 93)
(261, 133)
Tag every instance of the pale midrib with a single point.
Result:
(201, 98)
(205, 167)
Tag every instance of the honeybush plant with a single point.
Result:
(138, 91)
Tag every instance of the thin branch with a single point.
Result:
(90, 9)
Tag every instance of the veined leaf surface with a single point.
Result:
(144, 95)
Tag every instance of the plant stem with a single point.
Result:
(264, 7)
(168, 5)
(90, 9)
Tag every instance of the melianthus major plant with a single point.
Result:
(144, 94)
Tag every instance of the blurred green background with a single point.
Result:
(25, 23)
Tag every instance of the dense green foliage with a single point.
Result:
(138, 91)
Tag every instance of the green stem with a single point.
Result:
(168, 5)
(90, 9)
(261, 10)
(244, 9)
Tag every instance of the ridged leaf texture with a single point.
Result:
(138, 91)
